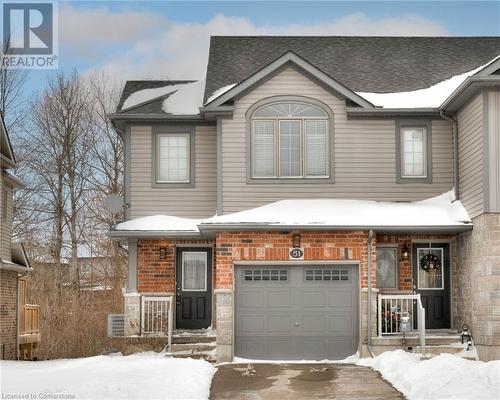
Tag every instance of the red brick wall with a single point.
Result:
(155, 275)
(274, 246)
(8, 314)
(405, 267)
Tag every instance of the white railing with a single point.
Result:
(390, 307)
(157, 316)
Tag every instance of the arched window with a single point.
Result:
(290, 139)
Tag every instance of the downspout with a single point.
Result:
(454, 127)
(369, 300)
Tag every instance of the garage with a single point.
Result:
(295, 312)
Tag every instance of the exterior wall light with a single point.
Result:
(296, 240)
(405, 253)
(163, 253)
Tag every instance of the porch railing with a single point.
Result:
(157, 316)
(390, 307)
(29, 319)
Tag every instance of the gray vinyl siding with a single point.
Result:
(364, 154)
(494, 150)
(197, 202)
(5, 223)
(470, 156)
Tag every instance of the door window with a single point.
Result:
(194, 271)
(430, 279)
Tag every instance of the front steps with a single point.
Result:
(198, 344)
(437, 342)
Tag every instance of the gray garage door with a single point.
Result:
(296, 312)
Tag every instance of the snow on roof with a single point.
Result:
(183, 99)
(431, 97)
(219, 92)
(440, 211)
(160, 223)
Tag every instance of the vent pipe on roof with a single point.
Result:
(454, 127)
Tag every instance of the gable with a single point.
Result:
(285, 60)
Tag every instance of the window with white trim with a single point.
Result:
(173, 158)
(290, 140)
(413, 151)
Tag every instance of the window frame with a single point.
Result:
(205, 287)
(415, 123)
(396, 275)
(174, 130)
(276, 178)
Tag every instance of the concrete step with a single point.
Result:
(211, 358)
(431, 339)
(194, 347)
(201, 336)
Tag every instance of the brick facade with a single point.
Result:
(274, 246)
(155, 275)
(8, 314)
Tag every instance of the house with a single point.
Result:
(19, 328)
(310, 191)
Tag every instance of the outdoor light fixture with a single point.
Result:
(405, 252)
(296, 240)
(163, 253)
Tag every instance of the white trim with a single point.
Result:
(424, 151)
(205, 288)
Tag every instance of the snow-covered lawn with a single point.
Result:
(443, 377)
(138, 376)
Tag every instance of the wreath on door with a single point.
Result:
(430, 262)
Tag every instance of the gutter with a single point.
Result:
(454, 126)
(391, 112)
(369, 300)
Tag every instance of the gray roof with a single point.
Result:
(153, 106)
(370, 64)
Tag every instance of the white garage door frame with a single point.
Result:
(291, 264)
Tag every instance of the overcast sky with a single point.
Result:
(145, 39)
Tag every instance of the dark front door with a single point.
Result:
(193, 288)
(433, 285)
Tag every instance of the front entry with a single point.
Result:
(433, 284)
(193, 288)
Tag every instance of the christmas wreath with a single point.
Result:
(430, 262)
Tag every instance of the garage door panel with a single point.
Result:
(252, 299)
(296, 318)
(278, 299)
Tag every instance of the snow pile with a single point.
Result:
(160, 223)
(442, 377)
(438, 211)
(431, 97)
(139, 376)
(183, 99)
(220, 92)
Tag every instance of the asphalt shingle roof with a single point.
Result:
(369, 64)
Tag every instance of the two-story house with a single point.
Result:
(310, 191)
(19, 330)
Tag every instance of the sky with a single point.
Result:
(169, 40)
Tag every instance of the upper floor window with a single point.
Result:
(290, 140)
(173, 158)
(414, 148)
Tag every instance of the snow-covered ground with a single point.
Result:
(443, 377)
(138, 376)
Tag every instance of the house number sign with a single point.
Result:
(296, 253)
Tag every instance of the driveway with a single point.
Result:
(299, 381)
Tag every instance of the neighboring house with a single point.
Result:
(19, 329)
(283, 196)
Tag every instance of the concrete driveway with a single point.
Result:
(299, 381)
